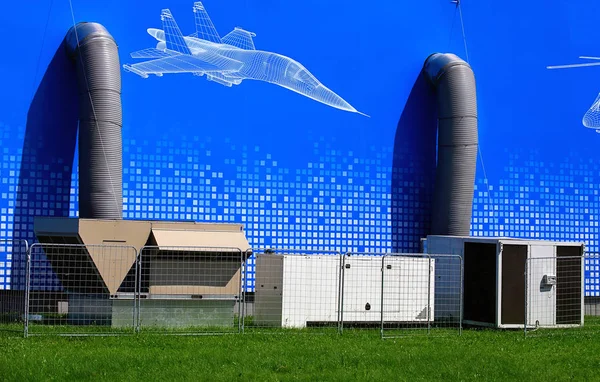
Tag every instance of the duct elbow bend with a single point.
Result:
(454, 84)
(96, 58)
(83, 33)
(437, 64)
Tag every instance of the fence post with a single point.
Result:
(138, 287)
(240, 290)
(462, 294)
(341, 292)
(526, 294)
(26, 302)
(382, 293)
(428, 294)
(135, 294)
(245, 271)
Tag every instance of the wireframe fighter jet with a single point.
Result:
(591, 118)
(227, 61)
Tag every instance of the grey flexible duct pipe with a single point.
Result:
(100, 120)
(454, 82)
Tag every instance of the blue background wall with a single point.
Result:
(297, 173)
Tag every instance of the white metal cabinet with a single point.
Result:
(294, 290)
(534, 292)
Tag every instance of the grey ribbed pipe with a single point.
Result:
(100, 120)
(454, 82)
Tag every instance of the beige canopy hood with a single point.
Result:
(107, 271)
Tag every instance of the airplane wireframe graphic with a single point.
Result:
(591, 118)
(227, 61)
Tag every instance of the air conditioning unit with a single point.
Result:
(509, 282)
(296, 291)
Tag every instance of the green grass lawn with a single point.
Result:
(355, 355)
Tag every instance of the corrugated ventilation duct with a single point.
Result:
(454, 82)
(100, 120)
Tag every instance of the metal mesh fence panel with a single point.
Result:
(447, 278)
(592, 289)
(362, 291)
(407, 295)
(403, 294)
(190, 290)
(554, 294)
(294, 289)
(97, 292)
(13, 266)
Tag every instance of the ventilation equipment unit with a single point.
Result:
(176, 247)
(297, 291)
(509, 282)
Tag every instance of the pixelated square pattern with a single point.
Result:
(337, 200)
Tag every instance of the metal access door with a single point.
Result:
(512, 287)
(541, 286)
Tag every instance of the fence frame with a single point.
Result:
(244, 273)
(240, 297)
(431, 258)
(23, 242)
(242, 301)
(383, 267)
(80, 246)
(590, 260)
(298, 252)
(528, 297)
(346, 255)
(27, 286)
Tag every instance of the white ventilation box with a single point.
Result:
(496, 291)
(297, 291)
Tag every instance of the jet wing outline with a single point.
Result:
(183, 63)
(152, 53)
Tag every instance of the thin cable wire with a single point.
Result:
(464, 35)
(39, 58)
(462, 24)
(485, 178)
(94, 110)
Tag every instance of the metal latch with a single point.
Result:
(549, 280)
